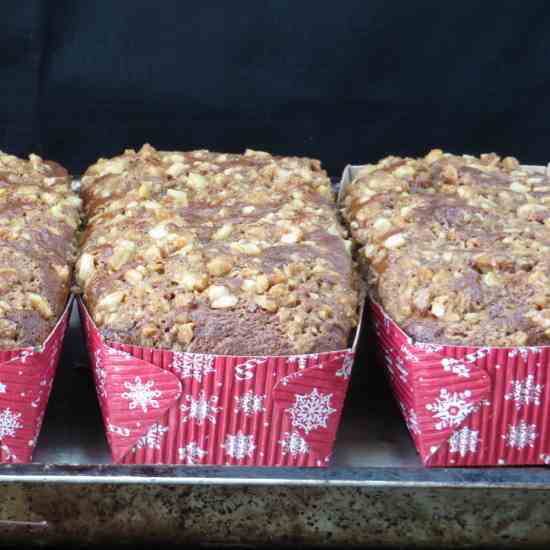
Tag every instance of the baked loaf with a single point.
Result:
(216, 253)
(39, 216)
(456, 248)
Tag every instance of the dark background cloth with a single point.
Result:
(347, 81)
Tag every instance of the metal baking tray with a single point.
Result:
(374, 494)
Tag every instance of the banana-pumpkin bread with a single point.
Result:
(39, 216)
(456, 248)
(216, 253)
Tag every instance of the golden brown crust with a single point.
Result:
(220, 253)
(456, 248)
(39, 215)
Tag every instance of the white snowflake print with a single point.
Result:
(101, 375)
(9, 423)
(520, 436)
(522, 352)
(201, 409)
(464, 441)
(525, 392)
(124, 432)
(141, 394)
(294, 444)
(239, 445)
(152, 438)
(389, 363)
(311, 411)
(456, 367)
(450, 408)
(403, 372)
(301, 359)
(243, 371)
(347, 365)
(193, 365)
(3, 388)
(430, 348)
(545, 458)
(475, 355)
(411, 419)
(250, 403)
(409, 355)
(191, 453)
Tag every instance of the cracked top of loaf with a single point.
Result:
(39, 215)
(216, 253)
(456, 248)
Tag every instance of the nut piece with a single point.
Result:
(41, 305)
(518, 187)
(219, 266)
(86, 267)
(175, 169)
(265, 303)
(224, 302)
(223, 232)
(121, 254)
(158, 232)
(133, 276)
(185, 333)
(262, 283)
(111, 300)
(191, 280)
(293, 236)
(395, 241)
(197, 181)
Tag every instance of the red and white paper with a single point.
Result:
(165, 407)
(26, 378)
(469, 406)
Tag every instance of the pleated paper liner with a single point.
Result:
(469, 406)
(26, 378)
(164, 407)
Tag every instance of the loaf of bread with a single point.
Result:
(216, 253)
(456, 248)
(39, 216)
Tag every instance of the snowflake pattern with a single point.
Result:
(520, 436)
(450, 408)
(403, 372)
(411, 419)
(456, 367)
(525, 392)
(250, 403)
(9, 423)
(239, 445)
(301, 360)
(464, 441)
(3, 388)
(294, 444)
(389, 363)
(101, 375)
(141, 394)
(201, 409)
(193, 365)
(152, 438)
(429, 348)
(523, 352)
(409, 355)
(311, 411)
(191, 453)
(345, 370)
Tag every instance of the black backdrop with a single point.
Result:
(346, 81)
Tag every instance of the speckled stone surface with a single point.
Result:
(179, 515)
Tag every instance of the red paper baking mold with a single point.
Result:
(26, 378)
(469, 406)
(165, 407)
